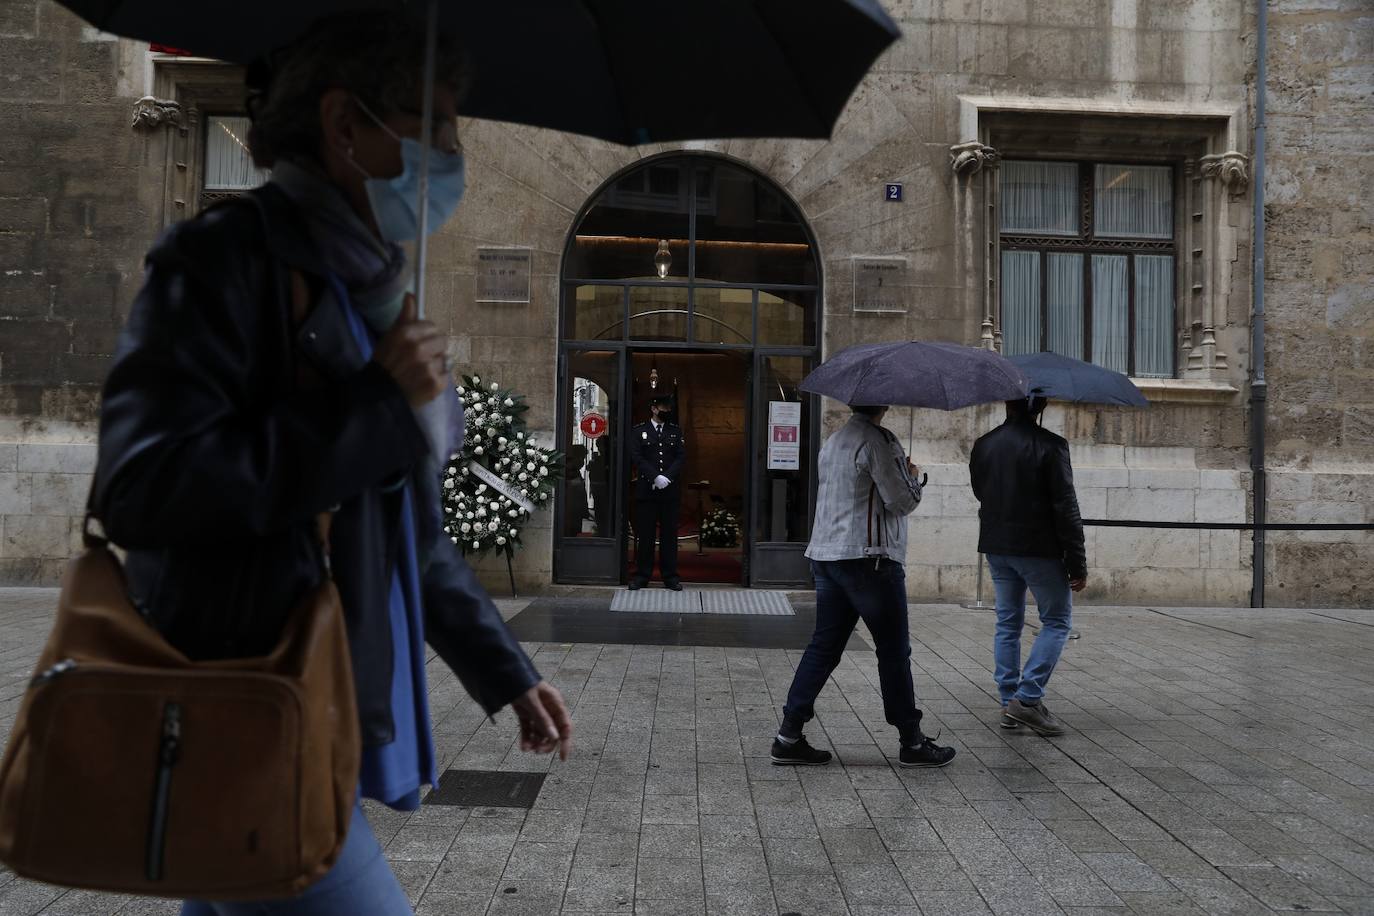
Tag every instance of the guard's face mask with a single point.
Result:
(395, 201)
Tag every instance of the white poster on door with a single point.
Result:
(784, 435)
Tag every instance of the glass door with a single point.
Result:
(588, 535)
(785, 442)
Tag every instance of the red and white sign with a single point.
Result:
(593, 425)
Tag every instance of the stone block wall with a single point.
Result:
(1319, 194)
(1125, 565)
(45, 474)
(81, 198)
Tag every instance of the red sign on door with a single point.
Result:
(593, 425)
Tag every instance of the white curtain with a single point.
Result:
(1111, 310)
(1154, 315)
(1064, 303)
(1020, 302)
(1040, 197)
(228, 165)
(1135, 201)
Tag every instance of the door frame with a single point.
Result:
(755, 555)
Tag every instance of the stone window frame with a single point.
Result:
(186, 91)
(1212, 184)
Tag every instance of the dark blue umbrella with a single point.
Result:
(1064, 378)
(627, 71)
(910, 373)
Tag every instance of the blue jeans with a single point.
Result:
(845, 591)
(1048, 581)
(360, 884)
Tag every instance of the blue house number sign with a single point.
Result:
(892, 192)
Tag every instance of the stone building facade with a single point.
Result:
(108, 143)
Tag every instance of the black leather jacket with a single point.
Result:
(1022, 476)
(214, 460)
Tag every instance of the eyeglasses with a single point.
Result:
(443, 134)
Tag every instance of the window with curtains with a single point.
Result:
(229, 168)
(1087, 262)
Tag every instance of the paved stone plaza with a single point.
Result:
(1219, 761)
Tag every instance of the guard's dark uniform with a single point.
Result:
(654, 452)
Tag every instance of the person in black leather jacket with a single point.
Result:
(1030, 530)
(228, 422)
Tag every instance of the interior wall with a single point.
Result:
(711, 397)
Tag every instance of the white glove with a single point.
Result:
(661, 482)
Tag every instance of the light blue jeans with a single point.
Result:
(1048, 581)
(360, 884)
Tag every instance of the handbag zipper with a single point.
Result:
(168, 746)
(48, 674)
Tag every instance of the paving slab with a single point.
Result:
(1216, 761)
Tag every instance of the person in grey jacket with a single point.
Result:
(858, 550)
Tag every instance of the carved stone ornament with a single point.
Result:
(151, 112)
(972, 157)
(1231, 168)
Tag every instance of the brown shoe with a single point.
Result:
(1037, 718)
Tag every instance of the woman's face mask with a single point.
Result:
(395, 201)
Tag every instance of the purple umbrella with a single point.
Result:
(911, 373)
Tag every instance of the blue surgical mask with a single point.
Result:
(395, 201)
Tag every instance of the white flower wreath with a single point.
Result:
(479, 518)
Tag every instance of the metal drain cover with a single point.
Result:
(486, 789)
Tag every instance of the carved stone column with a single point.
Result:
(973, 164)
(1224, 175)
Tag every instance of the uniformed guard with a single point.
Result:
(657, 452)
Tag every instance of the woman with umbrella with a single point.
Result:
(274, 369)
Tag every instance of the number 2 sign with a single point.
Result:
(892, 192)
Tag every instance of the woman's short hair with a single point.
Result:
(375, 56)
(868, 410)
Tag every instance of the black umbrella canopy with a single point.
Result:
(912, 373)
(1064, 378)
(628, 72)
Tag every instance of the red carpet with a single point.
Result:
(721, 565)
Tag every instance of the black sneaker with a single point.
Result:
(798, 753)
(926, 753)
(1005, 720)
(1037, 718)
(674, 584)
(637, 584)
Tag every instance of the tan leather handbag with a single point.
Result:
(131, 768)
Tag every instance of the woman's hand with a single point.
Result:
(412, 352)
(544, 721)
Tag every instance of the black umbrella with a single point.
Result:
(1066, 379)
(621, 70)
(627, 71)
(945, 376)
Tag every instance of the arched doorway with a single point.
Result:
(696, 276)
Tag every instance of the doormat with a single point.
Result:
(709, 601)
(486, 789)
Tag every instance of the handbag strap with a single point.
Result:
(301, 302)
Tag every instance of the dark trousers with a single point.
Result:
(845, 591)
(658, 511)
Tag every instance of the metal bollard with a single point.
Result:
(978, 604)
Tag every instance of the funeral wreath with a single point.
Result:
(479, 515)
